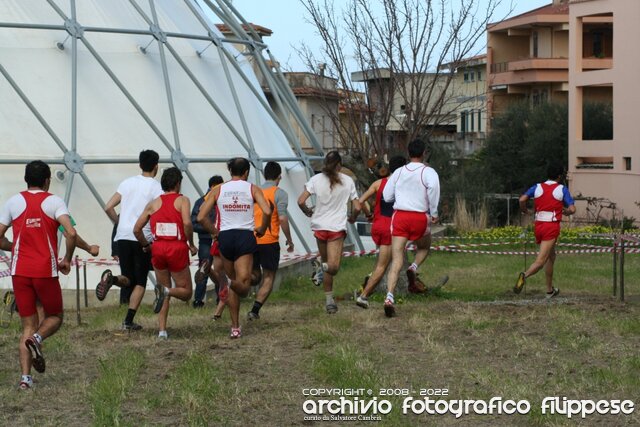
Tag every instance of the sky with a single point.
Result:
(286, 18)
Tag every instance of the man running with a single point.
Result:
(550, 199)
(414, 190)
(267, 258)
(172, 231)
(133, 194)
(35, 216)
(333, 191)
(234, 201)
(205, 258)
(380, 229)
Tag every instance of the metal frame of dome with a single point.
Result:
(244, 34)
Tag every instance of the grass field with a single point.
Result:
(474, 338)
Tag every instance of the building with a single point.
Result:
(468, 88)
(527, 58)
(603, 64)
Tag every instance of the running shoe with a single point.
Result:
(389, 309)
(203, 272)
(235, 333)
(520, 283)
(107, 280)
(318, 272)
(417, 287)
(37, 359)
(198, 304)
(332, 308)
(160, 297)
(411, 276)
(253, 316)
(131, 326)
(362, 302)
(25, 385)
(553, 293)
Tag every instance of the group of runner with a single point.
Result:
(242, 221)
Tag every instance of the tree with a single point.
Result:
(404, 50)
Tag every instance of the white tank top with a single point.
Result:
(235, 206)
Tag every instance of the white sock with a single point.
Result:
(163, 334)
(390, 296)
(329, 297)
(38, 337)
(325, 266)
(413, 267)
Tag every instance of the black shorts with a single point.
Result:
(267, 256)
(135, 264)
(235, 243)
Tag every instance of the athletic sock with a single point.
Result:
(163, 334)
(256, 307)
(390, 297)
(329, 298)
(413, 267)
(38, 337)
(131, 313)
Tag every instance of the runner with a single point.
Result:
(329, 218)
(267, 258)
(550, 199)
(414, 190)
(133, 195)
(205, 258)
(380, 230)
(35, 216)
(172, 230)
(234, 201)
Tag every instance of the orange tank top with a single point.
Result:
(272, 235)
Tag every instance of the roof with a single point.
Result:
(550, 12)
(262, 31)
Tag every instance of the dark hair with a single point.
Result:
(238, 166)
(416, 148)
(272, 171)
(148, 160)
(554, 170)
(396, 162)
(330, 169)
(36, 173)
(170, 178)
(215, 180)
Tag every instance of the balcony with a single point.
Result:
(528, 71)
(597, 64)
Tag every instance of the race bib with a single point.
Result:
(167, 229)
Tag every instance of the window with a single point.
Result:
(479, 75)
(534, 40)
(466, 76)
(627, 163)
(313, 122)
(463, 121)
(479, 120)
(471, 76)
(598, 51)
(472, 121)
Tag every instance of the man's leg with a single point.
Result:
(164, 280)
(126, 262)
(546, 248)
(333, 257)
(382, 262)
(204, 255)
(29, 327)
(263, 293)
(398, 243)
(240, 285)
(141, 267)
(219, 278)
(548, 269)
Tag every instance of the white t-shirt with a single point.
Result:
(414, 187)
(136, 192)
(53, 207)
(330, 213)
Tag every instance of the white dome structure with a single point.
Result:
(86, 85)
